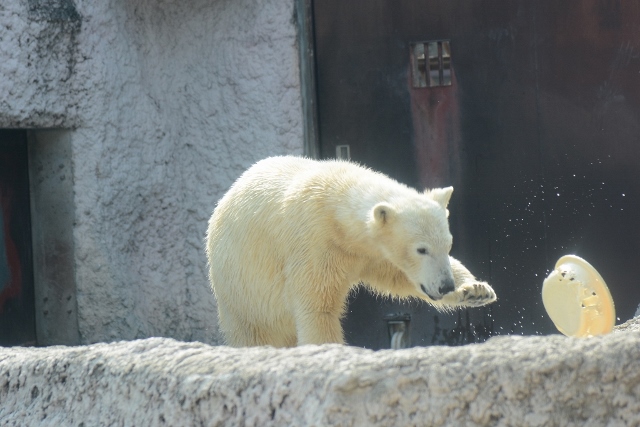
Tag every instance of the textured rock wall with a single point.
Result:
(165, 103)
(508, 381)
(45, 78)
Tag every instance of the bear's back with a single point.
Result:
(250, 216)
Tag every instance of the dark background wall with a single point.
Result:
(539, 135)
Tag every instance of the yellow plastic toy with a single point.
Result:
(577, 299)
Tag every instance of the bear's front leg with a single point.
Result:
(469, 291)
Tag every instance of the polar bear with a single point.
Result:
(293, 236)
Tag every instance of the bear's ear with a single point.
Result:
(383, 213)
(441, 195)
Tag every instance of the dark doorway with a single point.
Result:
(17, 309)
(539, 133)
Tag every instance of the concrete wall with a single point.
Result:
(163, 104)
(508, 381)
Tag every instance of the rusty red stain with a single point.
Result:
(436, 126)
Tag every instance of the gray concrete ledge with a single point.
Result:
(508, 381)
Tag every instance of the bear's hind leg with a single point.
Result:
(235, 335)
(317, 298)
(319, 328)
(237, 332)
(242, 333)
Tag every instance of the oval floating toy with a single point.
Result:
(577, 299)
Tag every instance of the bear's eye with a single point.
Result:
(422, 251)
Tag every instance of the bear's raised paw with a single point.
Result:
(470, 294)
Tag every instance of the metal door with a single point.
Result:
(538, 132)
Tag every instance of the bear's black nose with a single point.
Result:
(447, 286)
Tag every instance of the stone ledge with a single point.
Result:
(523, 381)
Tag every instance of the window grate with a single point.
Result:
(431, 63)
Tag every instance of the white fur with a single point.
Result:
(293, 236)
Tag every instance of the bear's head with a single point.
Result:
(412, 232)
